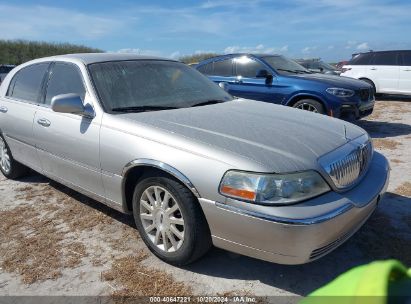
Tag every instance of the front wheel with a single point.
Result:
(170, 220)
(310, 105)
(8, 165)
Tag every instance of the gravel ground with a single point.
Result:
(54, 241)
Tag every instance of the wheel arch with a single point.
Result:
(370, 80)
(298, 97)
(135, 169)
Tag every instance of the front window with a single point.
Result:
(285, 66)
(152, 83)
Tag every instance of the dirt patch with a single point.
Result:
(385, 144)
(404, 189)
(32, 246)
(138, 280)
(396, 161)
(39, 237)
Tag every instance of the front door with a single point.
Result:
(247, 85)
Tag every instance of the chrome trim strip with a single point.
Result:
(162, 166)
(289, 221)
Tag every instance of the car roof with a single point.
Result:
(89, 58)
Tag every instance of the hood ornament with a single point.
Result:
(345, 133)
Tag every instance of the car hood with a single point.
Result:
(250, 135)
(334, 80)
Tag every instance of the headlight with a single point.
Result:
(340, 92)
(272, 189)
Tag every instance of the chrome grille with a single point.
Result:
(347, 170)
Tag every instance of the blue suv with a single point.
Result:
(277, 79)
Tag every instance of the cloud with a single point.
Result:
(363, 46)
(37, 22)
(309, 49)
(138, 51)
(260, 48)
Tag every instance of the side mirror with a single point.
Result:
(265, 74)
(223, 85)
(71, 103)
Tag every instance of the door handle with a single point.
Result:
(44, 122)
(373, 69)
(407, 70)
(238, 81)
(3, 109)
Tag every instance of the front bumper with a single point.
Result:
(356, 111)
(300, 233)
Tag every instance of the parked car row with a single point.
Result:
(157, 139)
(277, 79)
(4, 70)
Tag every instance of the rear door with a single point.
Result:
(384, 71)
(405, 73)
(17, 110)
(68, 144)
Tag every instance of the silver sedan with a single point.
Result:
(154, 138)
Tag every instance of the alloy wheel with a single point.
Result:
(5, 162)
(307, 107)
(162, 218)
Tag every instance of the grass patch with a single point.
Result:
(386, 144)
(404, 189)
(136, 279)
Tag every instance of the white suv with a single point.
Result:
(388, 71)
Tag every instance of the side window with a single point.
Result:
(65, 78)
(223, 68)
(385, 58)
(247, 67)
(406, 58)
(206, 68)
(361, 59)
(26, 84)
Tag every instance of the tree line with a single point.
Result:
(19, 51)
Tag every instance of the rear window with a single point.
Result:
(223, 68)
(406, 58)
(385, 58)
(206, 69)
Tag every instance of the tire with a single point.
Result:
(10, 168)
(311, 105)
(196, 239)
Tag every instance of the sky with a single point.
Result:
(327, 29)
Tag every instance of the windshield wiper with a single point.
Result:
(141, 108)
(207, 102)
(294, 71)
(289, 71)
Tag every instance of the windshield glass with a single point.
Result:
(327, 66)
(152, 84)
(284, 65)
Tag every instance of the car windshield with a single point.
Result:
(327, 66)
(284, 65)
(149, 85)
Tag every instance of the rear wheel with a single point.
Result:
(8, 165)
(310, 105)
(170, 220)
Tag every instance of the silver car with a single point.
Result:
(155, 138)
